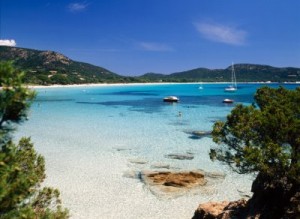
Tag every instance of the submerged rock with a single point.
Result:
(122, 148)
(196, 134)
(138, 161)
(180, 156)
(201, 133)
(160, 166)
(171, 184)
(215, 175)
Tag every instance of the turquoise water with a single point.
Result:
(91, 136)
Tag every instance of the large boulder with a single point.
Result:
(222, 210)
(210, 210)
(276, 199)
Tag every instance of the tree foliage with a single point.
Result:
(14, 98)
(263, 137)
(22, 170)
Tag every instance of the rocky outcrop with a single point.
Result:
(49, 57)
(171, 184)
(276, 199)
(210, 210)
(221, 210)
(48, 67)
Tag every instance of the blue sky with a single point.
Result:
(133, 37)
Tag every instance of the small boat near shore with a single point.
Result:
(228, 101)
(171, 99)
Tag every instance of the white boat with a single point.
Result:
(228, 101)
(233, 86)
(171, 99)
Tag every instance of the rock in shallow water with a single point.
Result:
(160, 166)
(172, 184)
(201, 133)
(138, 161)
(180, 156)
(198, 134)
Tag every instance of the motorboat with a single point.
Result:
(228, 101)
(171, 99)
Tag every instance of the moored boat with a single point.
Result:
(233, 86)
(230, 88)
(228, 101)
(171, 99)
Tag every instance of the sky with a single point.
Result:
(133, 37)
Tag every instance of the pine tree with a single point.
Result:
(22, 170)
(264, 138)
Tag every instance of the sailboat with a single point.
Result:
(233, 86)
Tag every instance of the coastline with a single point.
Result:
(93, 85)
(142, 84)
(94, 151)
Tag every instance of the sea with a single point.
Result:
(96, 138)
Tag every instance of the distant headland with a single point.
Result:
(49, 67)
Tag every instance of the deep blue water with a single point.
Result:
(149, 98)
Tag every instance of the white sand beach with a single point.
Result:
(90, 138)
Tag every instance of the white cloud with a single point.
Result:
(77, 7)
(221, 33)
(156, 47)
(8, 43)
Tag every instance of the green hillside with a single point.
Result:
(244, 73)
(48, 67)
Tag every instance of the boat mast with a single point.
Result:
(233, 78)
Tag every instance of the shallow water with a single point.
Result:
(90, 136)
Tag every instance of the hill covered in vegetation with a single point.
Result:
(48, 67)
(244, 73)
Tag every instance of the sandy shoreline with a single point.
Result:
(134, 84)
(94, 85)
